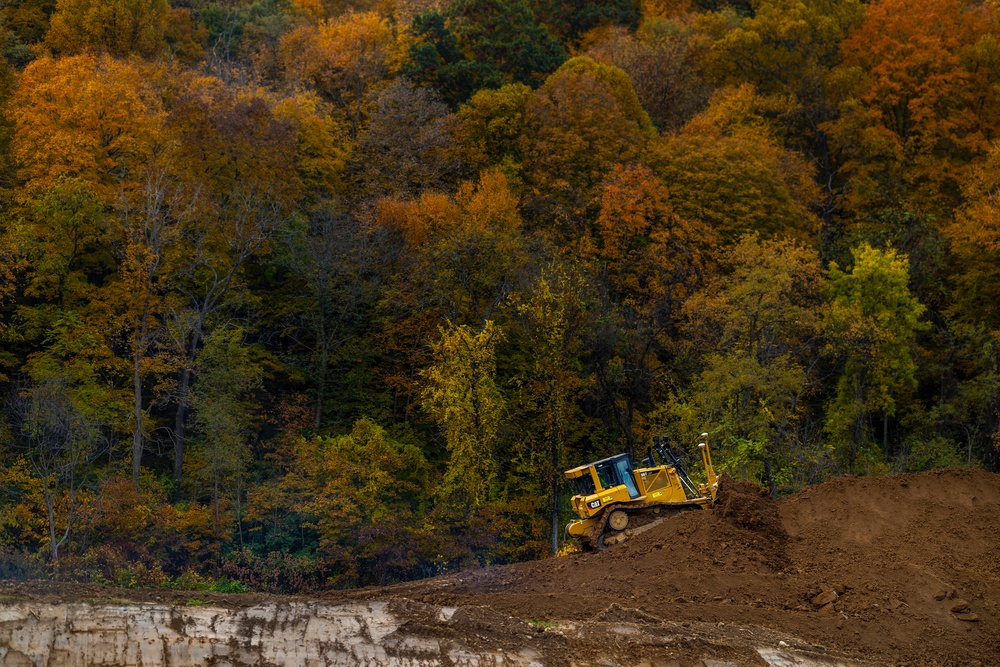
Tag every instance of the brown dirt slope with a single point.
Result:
(900, 570)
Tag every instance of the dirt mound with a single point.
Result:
(904, 570)
(747, 505)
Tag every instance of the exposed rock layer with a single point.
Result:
(294, 633)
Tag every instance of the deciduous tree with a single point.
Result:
(363, 495)
(728, 169)
(925, 104)
(241, 159)
(871, 320)
(115, 27)
(87, 117)
(583, 121)
(227, 376)
(409, 146)
(345, 59)
(463, 397)
(660, 61)
(756, 326)
(59, 440)
(553, 313)
(489, 126)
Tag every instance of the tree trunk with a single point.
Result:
(137, 357)
(53, 545)
(855, 440)
(859, 415)
(321, 384)
(555, 515)
(215, 496)
(137, 415)
(885, 434)
(557, 419)
(768, 478)
(179, 425)
(182, 394)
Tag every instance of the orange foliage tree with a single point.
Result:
(649, 258)
(924, 100)
(88, 117)
(729, 169)
(585, 119)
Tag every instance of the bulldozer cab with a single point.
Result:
(617, 471)
(604, 475)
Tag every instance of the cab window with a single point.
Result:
(584, 485)
(606, 474)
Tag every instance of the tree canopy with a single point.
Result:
(303, 293)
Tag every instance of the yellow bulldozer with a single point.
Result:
(616, 499)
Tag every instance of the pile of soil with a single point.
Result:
(900, 570)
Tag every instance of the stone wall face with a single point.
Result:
(398, 633)
(154, 635)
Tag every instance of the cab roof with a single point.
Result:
(579, 470)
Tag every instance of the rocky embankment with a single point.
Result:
(368, 633)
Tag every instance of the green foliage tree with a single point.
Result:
(227, 376)
(477, 44)
(24, 24)
(757, 326)
(238, 162)
(334, 264)
(871, 320)
(553, 314)
(571, 20)
(362, 493)
(246, 35)
(489, 127)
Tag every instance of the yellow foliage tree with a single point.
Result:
(116, 27)
(728, 168)
(322, 147)
(342, 58)
(975, 242)
(360, 492)
(462, 396)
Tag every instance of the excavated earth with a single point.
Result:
(900, 570)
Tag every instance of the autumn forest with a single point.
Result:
(304, 293)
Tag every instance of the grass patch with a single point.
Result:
(542, 624)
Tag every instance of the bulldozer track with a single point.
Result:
(601, 537)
